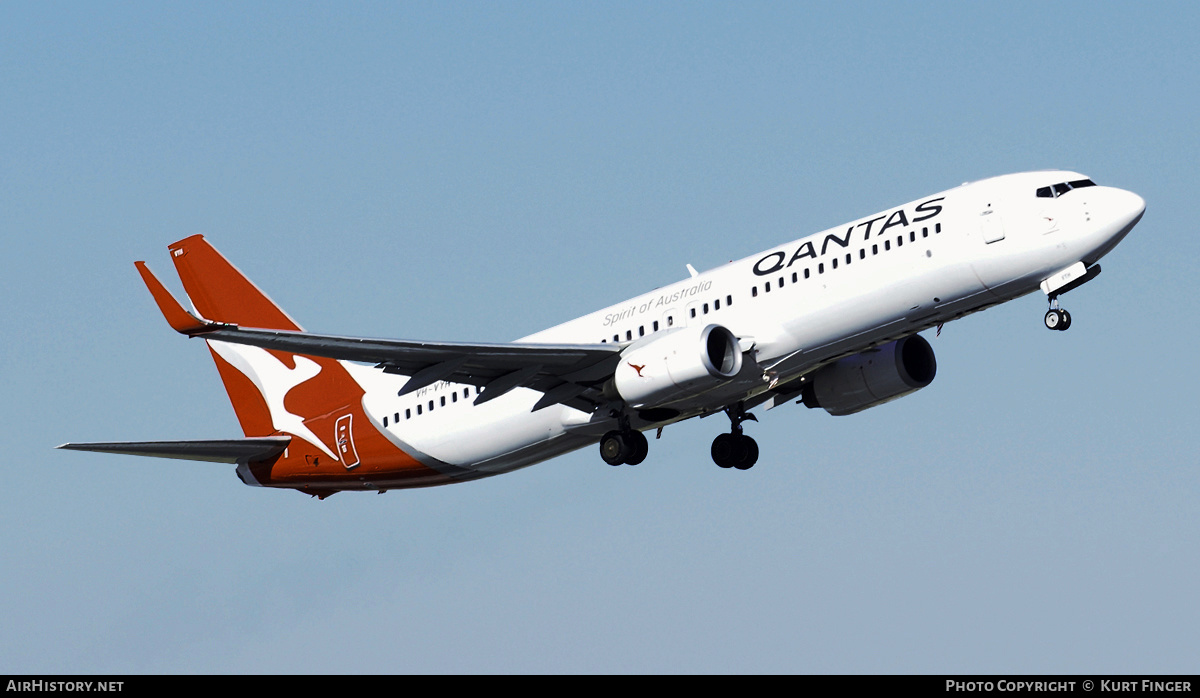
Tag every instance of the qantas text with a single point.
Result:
(774, 261)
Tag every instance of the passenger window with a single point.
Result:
(397, 418)
(754, 291)
(641, 330)
(728, 301)
(821, 268)
(835, 262)
(717, 304)
(706, 308)
(806, 273)
(443, 401)
(407, 413)
(656, 325)
(385, 420)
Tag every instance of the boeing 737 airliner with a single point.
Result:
(830, 320)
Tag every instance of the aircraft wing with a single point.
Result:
(566, 373)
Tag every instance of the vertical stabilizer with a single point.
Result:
(221, 292)
(271, 391)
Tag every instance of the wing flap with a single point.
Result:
(211, 450)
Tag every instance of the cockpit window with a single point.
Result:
(1062, 188)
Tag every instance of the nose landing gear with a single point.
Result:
(1070, 278)
(1057, 318)
(735, 449)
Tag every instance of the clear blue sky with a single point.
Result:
(479, 171)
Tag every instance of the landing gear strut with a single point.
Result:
(735, 449)
(624, 445)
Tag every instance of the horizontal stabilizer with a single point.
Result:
(212, 450)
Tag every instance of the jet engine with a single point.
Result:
(873, 377)
(677, 364)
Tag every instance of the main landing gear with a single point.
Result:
(624, 446)
(735, 449)
(1056, 317)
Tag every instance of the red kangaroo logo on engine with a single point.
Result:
(637, 368)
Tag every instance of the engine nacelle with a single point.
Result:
(873, 377)
(677, 364)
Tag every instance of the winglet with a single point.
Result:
(179, 319)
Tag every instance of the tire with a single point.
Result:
(723, 449)
(639, 448)
(614, 449)
(1052, 320)
(1066, 321)
(747, 453)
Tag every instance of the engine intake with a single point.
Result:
(873, 377)
(677, 364)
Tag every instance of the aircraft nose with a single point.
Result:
(1127, 207)
(1113, 216)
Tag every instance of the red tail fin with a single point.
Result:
(264, 386)
(221, 292)
(313, 399)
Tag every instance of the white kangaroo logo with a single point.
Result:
(274, 380)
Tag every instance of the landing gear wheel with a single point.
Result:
(640, 447)
(724, 449)
(1057, 318)
(735, 449)
(619, 447)
(614, 449)
(1053, 319)
(747, 452)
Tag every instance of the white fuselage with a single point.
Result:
(794, 308)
